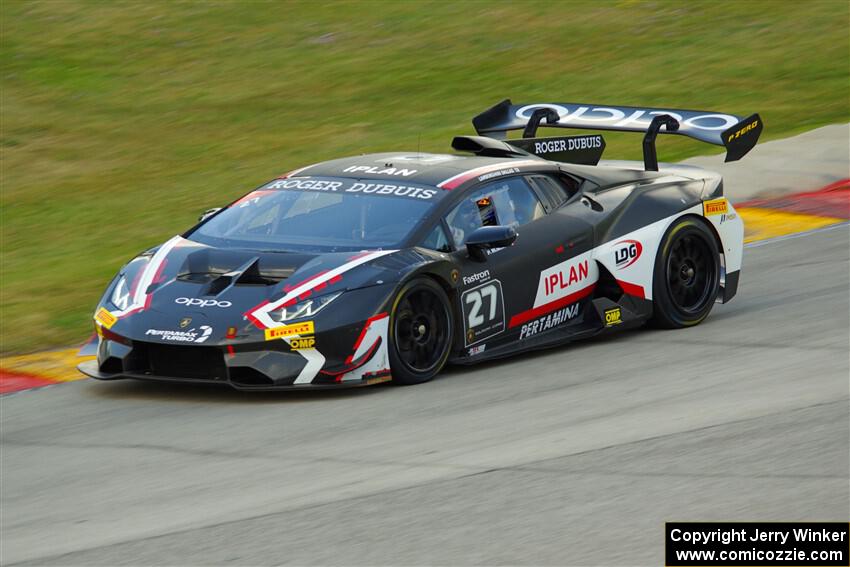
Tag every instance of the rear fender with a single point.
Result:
(631, 257)
(729, 228)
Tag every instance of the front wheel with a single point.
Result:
(687, 275)
(420, 332)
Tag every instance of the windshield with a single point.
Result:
(322, 214)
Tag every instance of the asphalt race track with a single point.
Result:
(571, 456)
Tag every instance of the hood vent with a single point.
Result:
(254, 275)
(248, 274)
(217, 270)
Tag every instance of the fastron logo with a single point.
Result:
(195, 302)
(480, 276)
(627, 253)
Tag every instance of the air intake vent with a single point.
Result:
(178, 361)
(255, 275)
(487, 147)
(245, 376)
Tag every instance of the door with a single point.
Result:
(524, 289)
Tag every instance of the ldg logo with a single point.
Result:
(195, 302)
(627, 254)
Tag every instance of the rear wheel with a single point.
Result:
(687, 275)
(420, 332)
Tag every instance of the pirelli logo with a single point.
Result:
(105, 318)
(715, 207)
(742, 131)
(305, 328)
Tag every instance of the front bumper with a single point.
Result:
(91, 368)
(352, 355)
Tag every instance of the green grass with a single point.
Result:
(122, 121)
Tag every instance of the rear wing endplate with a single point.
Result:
(736, 133)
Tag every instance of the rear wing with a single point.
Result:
(736, 133)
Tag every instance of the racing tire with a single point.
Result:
(686, 277)
(420, 334)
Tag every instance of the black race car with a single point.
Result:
(387, 266)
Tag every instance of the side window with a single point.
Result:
(437, 240)
(509, 202)
(557, 190)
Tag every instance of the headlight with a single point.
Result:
(121, 294)
(306, 308)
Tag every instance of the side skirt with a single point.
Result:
(603, 316)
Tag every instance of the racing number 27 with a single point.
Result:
(475, 299)
(483, 310)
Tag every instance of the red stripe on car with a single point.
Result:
(250, 315)
(632, 289)
(362, 336)
(546, 308)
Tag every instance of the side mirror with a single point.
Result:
(487, 237)
(208, 213)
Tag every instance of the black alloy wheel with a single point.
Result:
(687, 274)
(690, 271)
(420, 332)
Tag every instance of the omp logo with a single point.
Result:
(742, 131)
(305, 328)
(105, 318)
(613, 317)
(300, 343)
(715, 207)
(627, 253)
(195, 302)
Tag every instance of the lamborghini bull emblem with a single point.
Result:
(185, 322)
